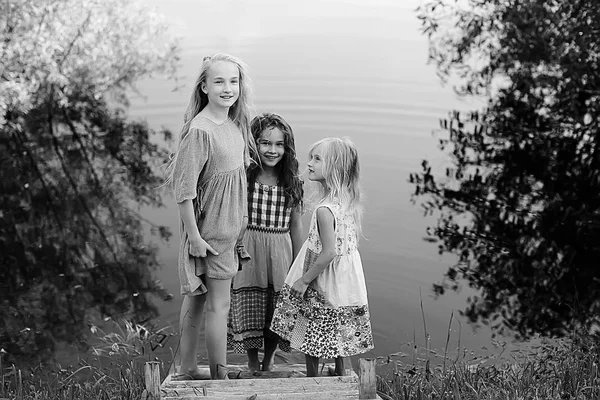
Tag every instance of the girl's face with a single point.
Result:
(271, 147)
(222, 84)
(315, 166)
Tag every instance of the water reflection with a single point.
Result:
(71, 238)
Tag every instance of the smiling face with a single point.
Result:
(222, 84)
(315, 166)
(271, 147)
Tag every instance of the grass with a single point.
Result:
(554, 369)
(115, 371)
(561, 369)
(565, 369)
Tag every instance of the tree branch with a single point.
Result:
(72, 181)
(82, 147)
(40, 176)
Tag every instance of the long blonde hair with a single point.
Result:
(341, 170)
(239, 112)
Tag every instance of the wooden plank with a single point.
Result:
(249, 386)
(325, 395)
(319, 380)
(281, 371)
(367, 380)
(265, 374)
(258, 388)
(152, 380)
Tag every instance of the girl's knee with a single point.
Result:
(218, 299)
(218, 304)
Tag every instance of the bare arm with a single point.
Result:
(325, 222)
(296, 232)
(243, 231)
(198, 246)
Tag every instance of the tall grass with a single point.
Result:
(114, 372)
(554, 369)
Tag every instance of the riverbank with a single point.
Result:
(554, 369)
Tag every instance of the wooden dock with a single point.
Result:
(288, 382)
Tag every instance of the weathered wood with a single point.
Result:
(367, 380)
(239, 374)
(152, 379)
(274, 387)
(318, 380)
(283, 371)
(262, 386)
(324, 395)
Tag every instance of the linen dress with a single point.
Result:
(256, 287)
(332, 318)
(210, 171)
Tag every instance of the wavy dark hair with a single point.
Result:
(288, 170)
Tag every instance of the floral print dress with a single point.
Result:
(332, 319)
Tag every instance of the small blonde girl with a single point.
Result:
(323, 310)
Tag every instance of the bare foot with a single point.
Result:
(253, 366)
(332, 371)
(253, 363)
(267, 366)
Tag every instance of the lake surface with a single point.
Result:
(336, 68)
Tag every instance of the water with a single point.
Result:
(336, 68)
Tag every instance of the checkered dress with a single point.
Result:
(266, 209)
(255, 289)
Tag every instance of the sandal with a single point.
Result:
(222, 372)
(199, 374)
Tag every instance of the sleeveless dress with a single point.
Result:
(210, 171)
(332, 319)
(256, 287)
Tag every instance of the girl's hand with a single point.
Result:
(199, 247)
(299, 288)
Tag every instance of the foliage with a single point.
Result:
(75, 171)
(520, 205)
(135, 341)
(59, 48)
(117, 375)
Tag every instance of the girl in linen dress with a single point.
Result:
(208, 174)
(273, 239)
(323, 309)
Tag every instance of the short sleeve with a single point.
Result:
(190, 161)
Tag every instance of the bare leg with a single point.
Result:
(253, 363)
(270, 349)
(340, 368)
(312, 365)
(217, 310)
(189, 325)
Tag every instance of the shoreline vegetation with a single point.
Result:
(555, 369)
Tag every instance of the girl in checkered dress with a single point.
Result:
(273, 238)
(323, 309)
